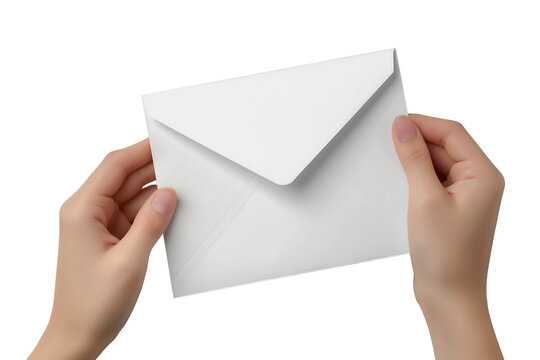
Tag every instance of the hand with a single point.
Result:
(107, 230)
(454, 198)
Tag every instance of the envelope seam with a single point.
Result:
(218, 229)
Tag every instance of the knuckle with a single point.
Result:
(115, 159)
(493, 185)
(502, 181)
(418, 155)
(112, 156)
(456, 124)
(65, 208)
(498, 182)
(151, 225)
(71, 211)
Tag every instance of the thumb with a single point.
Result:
(414, 156)
(151, 221)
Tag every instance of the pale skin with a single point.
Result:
(454, 197)
(109, 226)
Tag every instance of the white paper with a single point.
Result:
(266, 188)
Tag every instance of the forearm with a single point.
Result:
(460, 326)
(55, 345)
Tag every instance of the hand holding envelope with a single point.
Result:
(337, 199)
(282, 172)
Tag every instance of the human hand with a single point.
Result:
(454, 197)
(107, 230)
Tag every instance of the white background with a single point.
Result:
(71, 76)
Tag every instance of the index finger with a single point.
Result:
(117, 165)
(450, 135)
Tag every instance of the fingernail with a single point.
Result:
(164, 201)
(405, 129)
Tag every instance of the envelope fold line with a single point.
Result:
(218, 229)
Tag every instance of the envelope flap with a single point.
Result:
(274, 123)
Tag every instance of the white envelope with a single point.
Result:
(282, 172)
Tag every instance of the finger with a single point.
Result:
(450, 135)
(119, 225)
(124, 216)
(414, 156)
(132, 206)
(440, 158)
(117, 165)
(134, 183)
(150, 223)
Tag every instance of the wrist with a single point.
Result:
(459, 322)
(439, 296)
(447, 306)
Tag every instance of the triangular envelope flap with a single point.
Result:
(274, 123)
